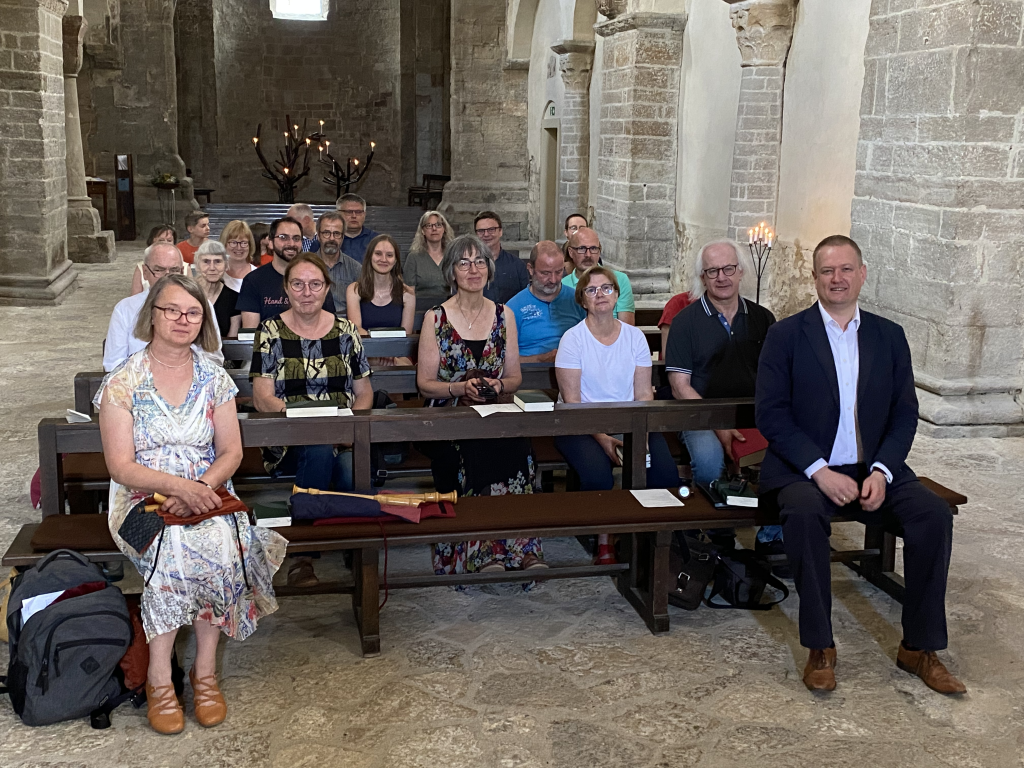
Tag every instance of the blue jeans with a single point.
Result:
(592, 464)
(316, 466)
(707, 460)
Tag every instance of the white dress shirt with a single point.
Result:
(846, 353)
(121, 342)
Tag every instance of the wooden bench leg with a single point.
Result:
(645, 585)
(365, 597)
(881, 570)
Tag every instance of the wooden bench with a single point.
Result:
(431, 189)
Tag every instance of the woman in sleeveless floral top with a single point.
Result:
(472, 334)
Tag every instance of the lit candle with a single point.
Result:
(307, 141)
(321, 126)
(255, 141)
(357, 162)
(750, 234)
(285, 171)
(373, 145)
(321, 148)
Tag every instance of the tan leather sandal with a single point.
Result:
(164, 712)
(211, 709)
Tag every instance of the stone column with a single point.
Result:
(636, 188)
(34, 267)
(764, 31)
(938, 205)
(575, 62)
(87, 242)
(490, 162)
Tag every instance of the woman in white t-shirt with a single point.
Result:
(603, 360)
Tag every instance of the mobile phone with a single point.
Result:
(485, 390)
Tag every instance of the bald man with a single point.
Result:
(584, 249)
(546, 308)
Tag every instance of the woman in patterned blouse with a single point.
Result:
(306, 353)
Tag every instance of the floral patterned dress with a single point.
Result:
(484, 467)
(199, 573)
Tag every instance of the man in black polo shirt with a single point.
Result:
(262, 296)
(713, 349)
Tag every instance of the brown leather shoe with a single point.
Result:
(211, 709)
(301, 574)
(164, 712)
(820, 674)
(926, 665)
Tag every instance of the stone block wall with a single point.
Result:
(197, 90)
(489, 160)
(939, 202)
(34, 267)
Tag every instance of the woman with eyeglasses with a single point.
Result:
(237, 238)
(210, 264)
(422, 268)
(306, 353)
(169, 426)
(143, 278)
(469, 354)
(604, 360)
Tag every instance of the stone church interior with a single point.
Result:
(727, 472)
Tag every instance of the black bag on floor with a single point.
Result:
(692, 564)
(740, 580)
(64, 658)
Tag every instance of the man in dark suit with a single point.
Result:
(836, 402)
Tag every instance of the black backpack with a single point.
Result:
(64, 658)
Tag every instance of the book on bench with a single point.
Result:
(533, 400)
(246, 334)
(272, 514)
(388, 333)
(750, 452)
(311, 408)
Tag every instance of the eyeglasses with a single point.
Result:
(352, 212)
(435, 225)
(729, 270)
(583, 250)
(605, 290)
(238, 244)
(161, 271)
(193, 316)
(463, 265)
(298, 286)
(289, 238)
(331, 234)
(487, 231)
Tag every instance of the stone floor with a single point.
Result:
(565, 676)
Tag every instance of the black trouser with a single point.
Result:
(927, 524)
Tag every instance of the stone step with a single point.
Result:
(399, 222)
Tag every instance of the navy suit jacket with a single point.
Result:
(797, 400)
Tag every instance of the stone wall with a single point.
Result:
(939, 204)
(197, 90)
(490, 164)
(34, 267)
(128, 99)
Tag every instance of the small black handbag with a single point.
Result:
(692, 563)
(740, 579)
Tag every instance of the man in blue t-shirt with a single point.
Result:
(546, 308)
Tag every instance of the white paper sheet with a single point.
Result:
(33, 605)
(74, 417)
(487, 410)
(658, 497)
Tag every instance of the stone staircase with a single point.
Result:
(398, 222)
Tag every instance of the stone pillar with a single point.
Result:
(87, 242)
(575, 62)
(490, 162)
(636, 186)
(938, 205)
(34, 267)
(764, 31)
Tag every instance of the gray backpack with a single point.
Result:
(64, 658)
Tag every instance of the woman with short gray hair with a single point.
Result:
(469, 354)
(210, 264)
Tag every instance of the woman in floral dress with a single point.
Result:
(169, 426)
(473, 333)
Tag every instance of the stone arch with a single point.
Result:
(584, 17)
(522, 15)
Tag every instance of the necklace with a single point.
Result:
(170, 366)
(475, 317)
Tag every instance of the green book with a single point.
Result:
(272, 514)
(534, 400)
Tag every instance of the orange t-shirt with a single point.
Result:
(188, 252)
(266, 258)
